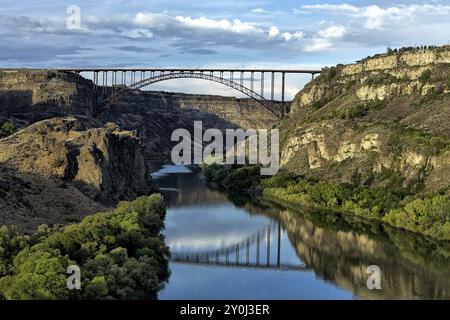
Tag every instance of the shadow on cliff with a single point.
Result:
(155, 123)
(28, 200)
(18, 106)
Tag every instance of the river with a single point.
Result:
(223, 249)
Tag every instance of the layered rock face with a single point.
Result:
(71, 166)
(27, 96)
(383, 116)
(380, 77)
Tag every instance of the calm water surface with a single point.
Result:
(223, 250)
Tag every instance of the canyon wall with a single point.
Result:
(27, 96)
(380, 77)
(31, 95)
(381, 119)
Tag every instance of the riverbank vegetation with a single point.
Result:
(424, 213)
(121, 255)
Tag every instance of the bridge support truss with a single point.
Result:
(111, 84)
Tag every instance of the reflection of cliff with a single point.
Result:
(197, 192)
(343, 256)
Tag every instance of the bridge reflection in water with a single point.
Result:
(205, 229)
(239, 254)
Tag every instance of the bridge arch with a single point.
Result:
(267, 104)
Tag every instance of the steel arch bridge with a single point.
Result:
(115, 97)
(110, 84)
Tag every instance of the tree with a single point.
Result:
(121, 255)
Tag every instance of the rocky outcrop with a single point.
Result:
(381, 77)
(366, 122)
(28, 200)
(104, 163)
(61, 169)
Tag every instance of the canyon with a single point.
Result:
(63, 164)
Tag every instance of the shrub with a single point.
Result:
(280, 180)
(121, 253)
(322, 102)
(429, 215)
(7, 129)
(243, 178)
(425, 76)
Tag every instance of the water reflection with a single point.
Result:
(322, 256)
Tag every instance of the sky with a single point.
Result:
(209, 33)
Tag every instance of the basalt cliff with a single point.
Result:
(58, 170)
(385, 117)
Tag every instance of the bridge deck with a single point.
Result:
(99, 69)
(281, 267)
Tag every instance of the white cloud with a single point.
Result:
(163, 22)
(179, 31)
(298, 35)
(332, 32)
(273, 32)
(376, 17)
(235, 26)
(331, 7)
(259, 10)
(318, 44)
(179, 24)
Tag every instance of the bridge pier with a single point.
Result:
(268, 246)
(272, 87)
(257, 249)
(283, 84)
(279, 245)
(247, 252)
(262, 84)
